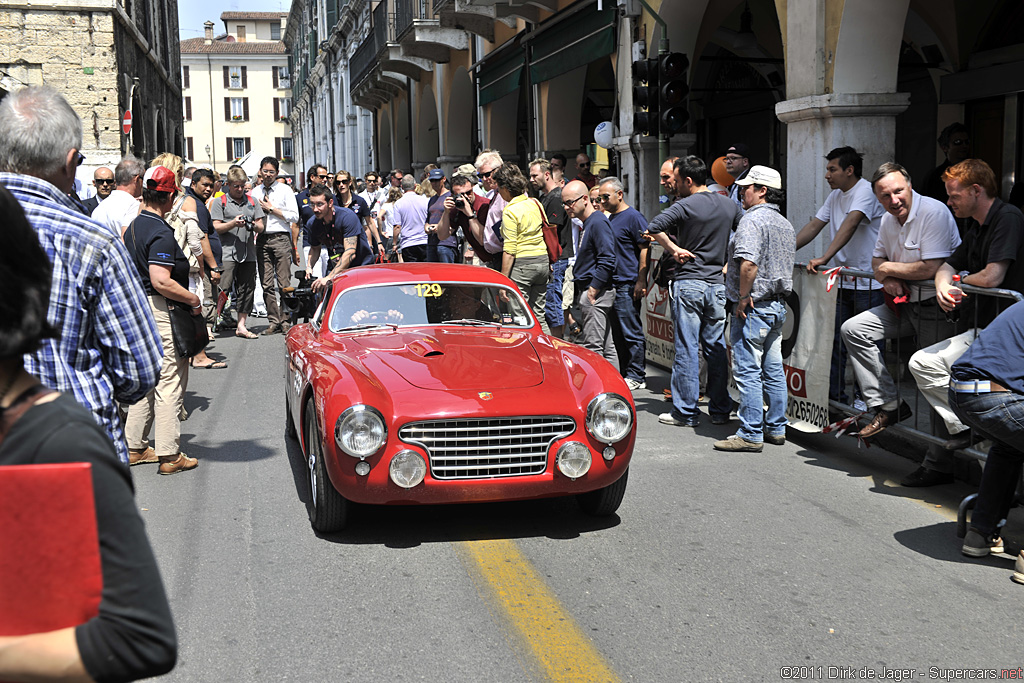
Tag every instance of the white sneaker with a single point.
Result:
(860, 405)
(635, 384)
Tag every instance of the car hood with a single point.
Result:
(462, 359)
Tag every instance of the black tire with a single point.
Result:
(328, 509)
(289, 424)
(606, 501)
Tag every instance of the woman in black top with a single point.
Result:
(163, 269)
(133, 635)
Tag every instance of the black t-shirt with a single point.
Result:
(150, 240)
(206, 224)
(345, 224)
(133, 636)
(1001, 238)
(556, 216)
(356, 205)
(701, 224)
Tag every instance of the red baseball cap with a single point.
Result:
(161, 179)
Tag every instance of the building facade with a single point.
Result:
(790, 78)
(237, 92)
(106, 57)
(330, 128)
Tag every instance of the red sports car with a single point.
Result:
(433, 383)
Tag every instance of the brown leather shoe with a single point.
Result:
(884, 418)
(137, 457)
(271, 329)
(174, 464)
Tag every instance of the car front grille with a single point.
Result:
(481, 448)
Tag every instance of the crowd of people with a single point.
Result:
(96, 326)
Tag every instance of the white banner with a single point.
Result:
(807, 350)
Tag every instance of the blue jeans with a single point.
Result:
(698, 313)
(632, 360)
(757, 369)
(439, 253)
(553, 300)
(999, 415)
(849, 303)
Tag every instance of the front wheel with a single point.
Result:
(328, 509)
(605, 501)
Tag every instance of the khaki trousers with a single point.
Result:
(163, 406)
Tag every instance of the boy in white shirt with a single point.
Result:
(853, 215)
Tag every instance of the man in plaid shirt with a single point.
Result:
(107, 348)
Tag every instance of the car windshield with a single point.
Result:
(429, 303)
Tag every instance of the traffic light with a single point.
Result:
(672, 92)
(645, 96)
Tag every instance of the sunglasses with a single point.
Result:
(604, 197)
(81, 159)
(570, 202)
(486, 175)
(342, 181)
(585, 164)
(104, 181)
(322, 176)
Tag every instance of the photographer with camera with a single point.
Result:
(237, 218)
(467, 211)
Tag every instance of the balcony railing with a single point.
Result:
(363, 60)
(440, 5)
(408, 10)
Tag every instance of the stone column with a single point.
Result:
(817, 124)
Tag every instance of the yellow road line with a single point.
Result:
(510, 583)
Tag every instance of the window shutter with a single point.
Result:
(245, 80)
(245, 108)
(277, 147)
(231, 149)
(188, 150)
(277, 109)
(184, 76)
(227, 77)
(274, 70)
(227, 108)
(248, 145)
(188, 108)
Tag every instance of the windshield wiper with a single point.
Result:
(366, 326)
(471, 321)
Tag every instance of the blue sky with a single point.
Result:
(192, 13)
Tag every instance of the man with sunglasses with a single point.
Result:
(593, 272)
(955, 142)
(103, 181)
(737, 163)
(315, 176)
(583, 173)
(629, 280)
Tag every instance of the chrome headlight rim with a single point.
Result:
(362, 411)
(598, 403)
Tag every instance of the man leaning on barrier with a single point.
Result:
(915, 237)
(988, 257)
(987, 393)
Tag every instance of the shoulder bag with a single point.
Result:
(550, 234)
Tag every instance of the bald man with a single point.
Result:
(593, 271)
(103, 181)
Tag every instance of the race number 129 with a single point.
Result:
(428, 289)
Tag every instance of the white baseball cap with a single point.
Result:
(762, 175)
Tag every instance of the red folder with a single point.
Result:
(50, 571)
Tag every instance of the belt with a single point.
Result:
(976, 386)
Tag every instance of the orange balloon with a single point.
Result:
(718, 172)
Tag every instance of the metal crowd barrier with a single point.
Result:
(897, 355)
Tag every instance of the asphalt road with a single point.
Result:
(717, 567)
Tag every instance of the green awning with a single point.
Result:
(500, 76)
(573, 43)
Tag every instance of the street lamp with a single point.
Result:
(207, 151)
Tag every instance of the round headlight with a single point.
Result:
(609, 418)
(407, 469)
(573, 459)
(360, 431)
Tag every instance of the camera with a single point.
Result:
(250, 225)
(460, 202)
